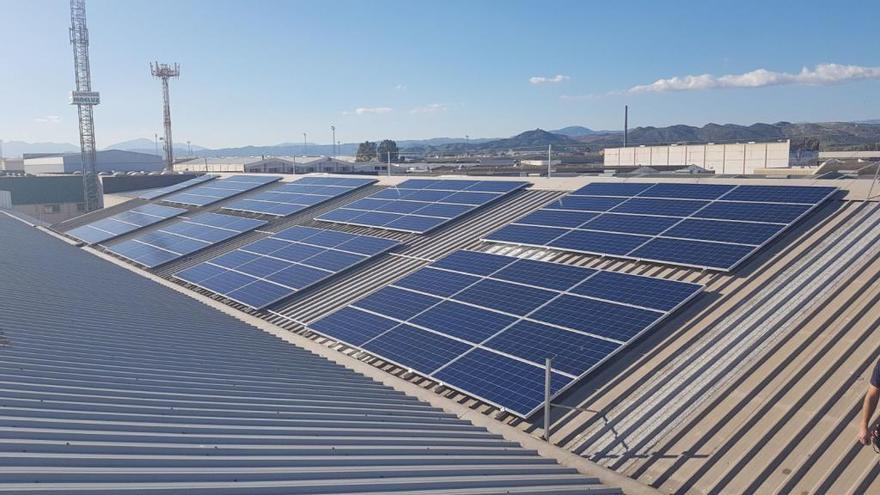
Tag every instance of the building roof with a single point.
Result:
(43, 189)
(113, 383)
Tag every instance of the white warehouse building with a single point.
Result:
(107, 161)
(730, 158)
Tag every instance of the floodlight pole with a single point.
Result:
(549, 152)
(548, 367)
(333, 129)
(389, 163)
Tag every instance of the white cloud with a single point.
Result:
(430, 108)
(400, 87)
(48, 119)
(822, 74)
(558, 78)
(369, 110)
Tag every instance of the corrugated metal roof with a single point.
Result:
(111, 383)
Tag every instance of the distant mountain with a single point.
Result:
(145, 145)
(535, 140)
(14, 149)
(575, 131)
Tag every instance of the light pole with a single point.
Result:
(156, 139)
(333, 129)
(305, 146)
(189, 148)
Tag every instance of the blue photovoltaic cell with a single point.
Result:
(220, 189)
(417, 349)
(421, 205)
(630, 224)
(649, 292)
(123, 223)
(526, 234)
(580, 317)
(607, 320)
(268, 270)
(721, 231)
(572, 352)
(754, 212)
(598, 242)
(463, 321)
(437, 282)
(611, 189)
(717, 222)
(512, 384)
(182, 238)
(162, 191)
(695, 253)
(666, 207)
(353, 326)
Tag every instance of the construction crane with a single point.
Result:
(85, 99)
(165, 72)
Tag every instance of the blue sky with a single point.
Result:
(264, 72)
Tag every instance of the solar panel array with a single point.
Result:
(420, 205)
(293, 197)
(712, 226)
(183, 237)
(484, 323)
(162, 191)
(266, 271)
(220, 189)
(123, 223)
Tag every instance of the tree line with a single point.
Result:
(370, 151)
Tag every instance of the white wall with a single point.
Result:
(734, 158)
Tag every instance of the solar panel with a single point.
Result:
(123, 223)
(289, 262)
(220, 189)
(182, 238)
(294, 197)
(162, 191)
(421, 205)
(715, 226)
(484, 323)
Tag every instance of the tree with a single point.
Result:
(366, 152)
(388, 146)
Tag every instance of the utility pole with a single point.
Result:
(625, 123)
(549, 153)
(165, 72)
(333, 129)
(85, 99)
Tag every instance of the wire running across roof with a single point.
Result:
(484, 323)
(220, 189)
(123, 223)
(293, 197)
(713, 226)
(291, 261)
(183, 237)
(421, 205)
(162, 191)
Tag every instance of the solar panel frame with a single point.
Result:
(791, 212)
(233, 186)
(442, 201)
(294, 197)
(489, 265)
(300, 258)
(163, 191)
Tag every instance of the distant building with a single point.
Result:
(241, 164)
(107, 161)
(731, 158)
(12, 164)
(45, 198)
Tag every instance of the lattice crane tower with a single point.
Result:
(165, 72)
(85, 99)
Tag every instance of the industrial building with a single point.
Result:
(753, 387)
(107, 161)
(727, 159)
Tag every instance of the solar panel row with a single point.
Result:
(271, 269)
(293, 197)
(182, 237)
(220, 189)
(420, 205)
(123, 223)
(162, 191)
(484, 323)
(702, 225)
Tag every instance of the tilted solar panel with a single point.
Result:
(162, 191)
(714, 226)
(484, 323)
(123, 223)
(289, 262)
(420, 205)
(183, 237)
(220, 189)
(294, 197)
